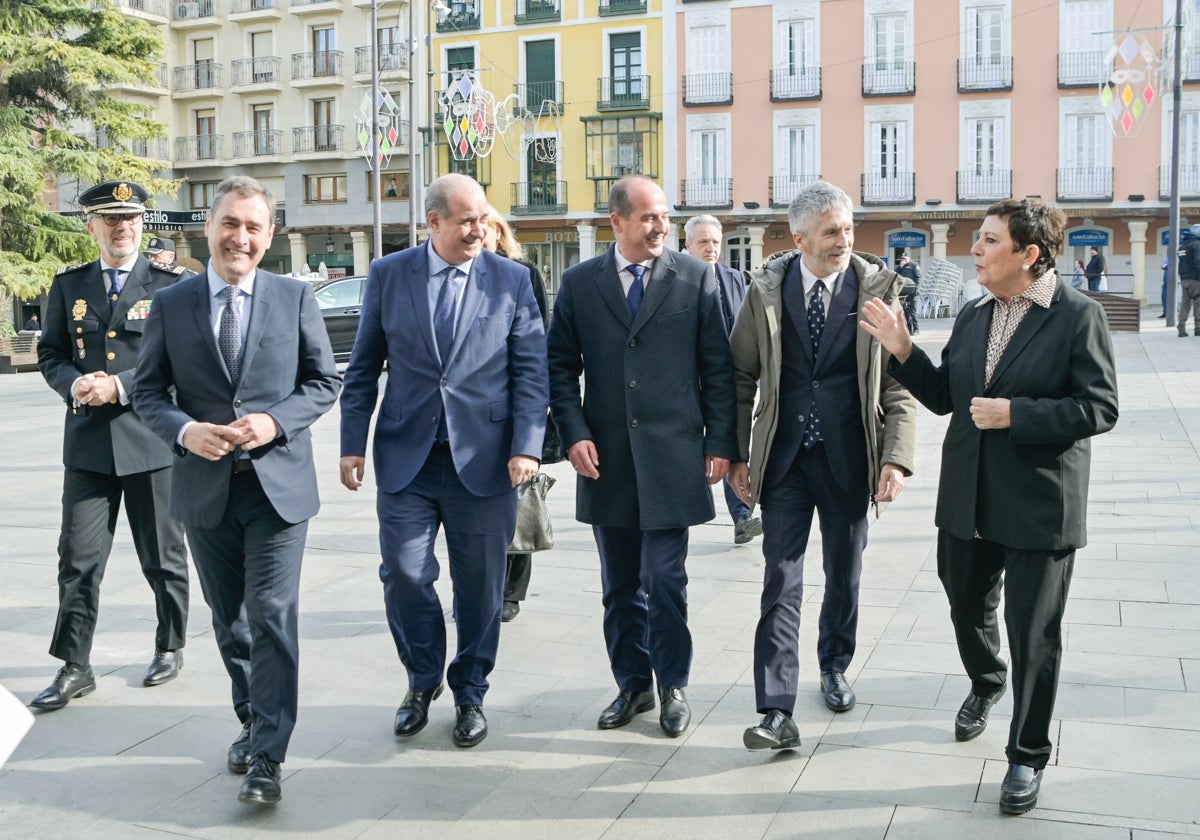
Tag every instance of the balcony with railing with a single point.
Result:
(264, 143)
(1189, 182)
(155, 148)
(258, 73)
(984, 186)
(317, 138)
(251, 10)
(314, 7)
(322, 67)
(1086, 183)
(154, 83)
(532, 97)
(609, 8)
(1191, 65)
(790, 83)
(706, 193)
(889, 78)
(202, 79)
(155, 11)
(393, 58)
(708, 89)
(781, 189)
(461, 17)
(1082, 69)
(889, 188)
(538, 197)
(185, 13)
(985, 72)
(626, 93)
(199, 147)
(537, 11)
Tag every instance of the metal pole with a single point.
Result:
(376, 158)
(430, 145)
(1177, 104)
(413, 180)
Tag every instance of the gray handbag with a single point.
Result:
(534, 531)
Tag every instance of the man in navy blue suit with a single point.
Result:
(235, 367)
(459, 427)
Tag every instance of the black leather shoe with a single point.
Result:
(1020, 788)
(622, 710)
(164, 667)
(511, 608)
(776, 732)
(470, 726)
(263, 785)
(972, 716)
(839, 696)
(675, 715)
(72, 681)
(413, 713)
(239, 752)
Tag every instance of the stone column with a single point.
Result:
(587, 241)
(673, 236)
(183, 245)
(362, 251)
(299, 252)
(1137, 258)
(756, 234)
(941, 236)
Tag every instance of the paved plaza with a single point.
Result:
(140, 763)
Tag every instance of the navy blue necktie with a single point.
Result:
(443, 313)
(114, 288)
(816, 326)
(637, 290)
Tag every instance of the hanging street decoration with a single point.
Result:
(472, 120)
(378, 150)
(1135, 81)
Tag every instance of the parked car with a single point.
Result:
(341, 304)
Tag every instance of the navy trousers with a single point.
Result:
(645, 606)
(787, 513)
(478, 531)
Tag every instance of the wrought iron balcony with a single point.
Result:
(889, 78)
(462, 16)
(258, 71)
(1191, 66)
(1082, 69)
(191, 77)
(788, 83)
(1086, 183)
(157, 8)
(537, 11)
(546, 197)
(193, 9)
(706, 193)
(1189, 182)
(987, 72)
(257, 143)
(781, 189)
(316, 65)
(708, 89)
(391, 57)
(198, 147)
(984, 186)
(621, 7)
(532, 96)
(317, 138)
(889, 188)
(155, 148)
(239, 7)
(627, 93)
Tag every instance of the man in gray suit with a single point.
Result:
(247, 358)
(651, 430)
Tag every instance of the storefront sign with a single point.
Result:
(1087, 237)
(562, 236)
(907, 239)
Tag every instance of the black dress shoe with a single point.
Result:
(622, 710)
(470, 726)
(839, 696)
(776, 732)
(413, 713)
(164, 667)
(72, 681)
(674, 716)
(239, 752)
(511, 608)
(972, 716)
(1019, 790)
(263, 785)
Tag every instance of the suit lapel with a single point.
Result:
(474, 294)
(977, 338)
(1034, 320)
(841, 306)
(609, 286)
(202, 313)
(417, 283)
(93, 292)
(796, 307)
(260, 313)
(661, 280)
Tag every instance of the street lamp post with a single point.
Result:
(376, 160)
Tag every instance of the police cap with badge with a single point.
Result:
(158, 244)
(114, 198)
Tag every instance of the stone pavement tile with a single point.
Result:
(878, 686)
(1098, 703)
(892, 777)
(1191, 674)
(1172, 616)
(1159, 672)
(1083, 586)
(1144, 750)
(1085, 611)
(802, 815)
(924, 657)
(1183, 592)
(1137, 641)
(921, 731)
(1173, 709)
(1158, 553)
(988, 824)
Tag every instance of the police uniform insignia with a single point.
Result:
(68, 268)
(179, 269)
(122, 192)
(79, 309)
(139, 311)
(82, 350)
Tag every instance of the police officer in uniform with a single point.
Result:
(161, 251)
(88, 351)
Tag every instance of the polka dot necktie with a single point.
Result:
(636, 291)
(816, 326)
(230, 337)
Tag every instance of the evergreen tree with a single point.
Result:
(58, 60)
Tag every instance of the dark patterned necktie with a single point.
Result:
(230, 338)
(443, 313)
(816, 326)
(637, 289)
(114, 288)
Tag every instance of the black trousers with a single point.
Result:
(516, 582)
(90, 504)
(1035, 585)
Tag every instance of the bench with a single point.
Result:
(18, 353)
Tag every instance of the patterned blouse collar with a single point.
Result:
(1040, 292)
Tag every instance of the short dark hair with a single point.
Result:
(1032, 222)
(244, 186)
(618, 196)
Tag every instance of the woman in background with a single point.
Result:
(1078, 279)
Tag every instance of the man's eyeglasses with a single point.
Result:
(113, 220)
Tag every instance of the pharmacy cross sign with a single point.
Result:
(379, 151)
(1134, 82)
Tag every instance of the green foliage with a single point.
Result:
(59, 60)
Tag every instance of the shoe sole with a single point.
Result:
(1018, 807)
(835, 707)
(463, 742)
(436, 694)
(750, 533)
(258, 800)
(617, 724)
(753, 739)
(54, 707)
(160, 680)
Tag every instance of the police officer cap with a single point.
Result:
(158, 244)
(114, 198)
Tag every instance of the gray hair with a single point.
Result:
(437, 194)
(618, 196)
(244, 187)
(696, 221)
(813, 202)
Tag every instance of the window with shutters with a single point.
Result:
(796, 71)
(888, 176)
(627, 86)
(1085, 151)
(708, 80)
(984, 170)
(708, 183)
(889, 67)
(986, 60)
(541, 85)
(795, 161)
(1085, 33)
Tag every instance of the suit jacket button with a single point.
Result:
(633, 342)
(633, 423)
(801, 418)
(237, 403)
(816, 383)
(112, 333)
(633, 383)
(445, 382)
(111, 356)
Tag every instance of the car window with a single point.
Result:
(346, 292)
